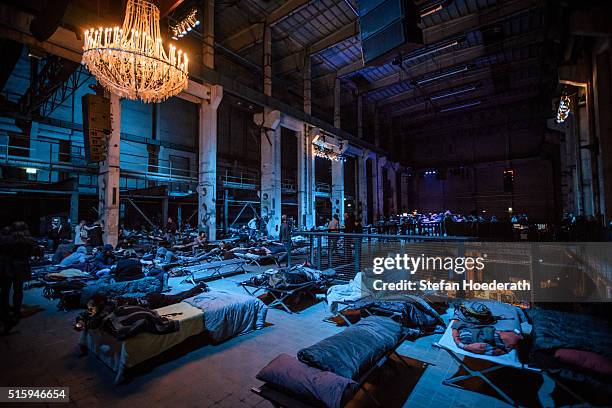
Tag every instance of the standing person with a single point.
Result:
(95, 234)
(349, 222)
(252, 226)
(21, 246)
(56, 232)
(170, 230)
(80, 234)
(358, 226)
(285, 237)
(334, 227)
(334, 224)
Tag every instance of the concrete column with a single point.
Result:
(602, 89)
(270, 191)
(306, 181)
(307, 85)
(376, 129)
(379, 195)
(207, 173)
(267, 60)
(337, 102)
(392, 177)
(74, 206)
(208, 27)
(337, 189)
(108, 177)
(375, 188)
(360, 115)
(165, 203)
(585, 138)
(362, 182)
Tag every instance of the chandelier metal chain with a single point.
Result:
(131, 61)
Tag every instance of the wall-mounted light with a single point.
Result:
(185, 25)
(326, 150)
(564, 109)
(30, 170)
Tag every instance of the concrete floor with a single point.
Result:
(42, 351)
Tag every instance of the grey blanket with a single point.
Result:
(356, 349)
(553, 330)
(228, 314)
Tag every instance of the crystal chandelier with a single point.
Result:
(131, 61)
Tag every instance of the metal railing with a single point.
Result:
(344, 252)
(133, 166)
(241, 180)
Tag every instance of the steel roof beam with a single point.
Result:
(295, 60)
(253, 34)
(465, 56)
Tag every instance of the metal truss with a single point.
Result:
(56, 81)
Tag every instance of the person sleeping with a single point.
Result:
(484, 339)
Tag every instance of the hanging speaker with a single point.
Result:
(96, 126)
(386, 25)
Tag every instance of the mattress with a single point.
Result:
(221, 314)
(119, 355)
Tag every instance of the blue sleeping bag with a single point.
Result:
(134, 288)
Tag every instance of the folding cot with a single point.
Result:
(447, 343)
(284, 398)
(254, 259)
(218, 315)
(215, 267)
(280, 294)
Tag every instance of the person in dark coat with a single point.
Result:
(15, 272)
(56, 232)
(95, 234)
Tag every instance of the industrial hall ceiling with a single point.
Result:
(481, 63)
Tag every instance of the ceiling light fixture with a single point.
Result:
(462, 106)
(434, 8)
(131, 61)
(444, 75)
(453, 92)
(425, 51)
(188, 23)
